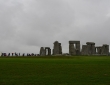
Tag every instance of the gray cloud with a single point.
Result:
(26, 25)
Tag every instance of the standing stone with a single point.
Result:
(84, 50)
(60, 48)
(78, 48)
(91, 48)
(57, 48)
(47, 51)
(42, 51)
(88, 49)
(53, 51)
(105, 49)
(74, 47)
(71, 49)
(98, 50)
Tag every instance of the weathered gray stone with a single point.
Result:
(90, 43)
(88, 49)
(57, 48)
(105, 49)
(84, 50)
(42, 51)
(98, 50)
(91, 48)
(60, 48)
(74, 47)
(74, 42)
(47, 51)
(71, 49)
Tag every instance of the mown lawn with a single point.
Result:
(79, 70)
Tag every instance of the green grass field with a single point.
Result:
(79, 70)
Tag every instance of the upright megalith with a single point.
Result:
(42, 51)
(57, 49)
(88, 49)
(105, 49)
(98, 50)
(71, 48)
(60, 48)
(84, 50)
(74, 47)
(91, 48)
(47, 51)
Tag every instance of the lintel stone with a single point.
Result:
(47, 47)
(98, 47)
(88, 43)
(74, 42)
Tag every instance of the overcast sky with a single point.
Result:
(27, 25)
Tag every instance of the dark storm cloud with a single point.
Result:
(26, 25)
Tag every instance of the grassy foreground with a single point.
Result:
(78, 70)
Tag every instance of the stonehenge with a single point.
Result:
(45, 51)
(98, 50)
(57, 49)
(84, 50)
(105, 49)
(42, 51)
(74, 49)
(102, 50)
(91, 48)
(88, 49)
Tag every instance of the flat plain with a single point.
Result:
(57, 70)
